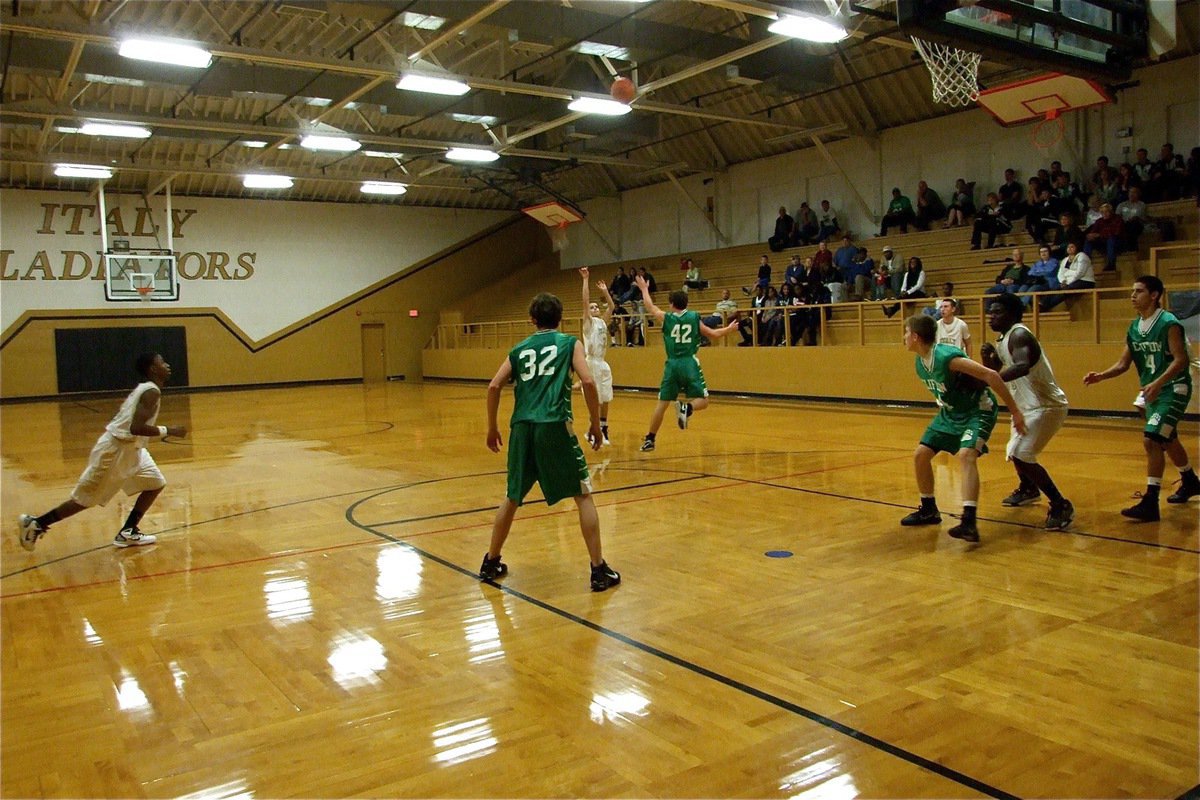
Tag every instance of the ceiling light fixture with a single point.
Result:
(340, 144)
(113, 129)
(810, 29)
(165, 51)
(383, 187)
(415, 82)
(594, 105)
(267, 182)
(471, 154)
(381, 154)
(255, 143)
(82, 171)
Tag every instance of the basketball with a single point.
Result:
(623, 90)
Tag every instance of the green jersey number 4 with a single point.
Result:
(530, 365)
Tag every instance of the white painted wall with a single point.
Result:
(658, 221)
(285, 260)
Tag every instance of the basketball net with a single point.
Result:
(1046, 135)
(558, 236)
(955, 72)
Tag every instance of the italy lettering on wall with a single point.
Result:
(136, 227)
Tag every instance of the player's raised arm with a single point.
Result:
(608, 300)
(992, 378)
(587, 292)
(590, 395)
(654, 311)
(1119, 368)
(493, 404)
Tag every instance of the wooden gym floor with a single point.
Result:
(309, 623)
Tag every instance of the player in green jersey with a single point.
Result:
(1156, 346)
(682, 330)
(966, 415)
(542, 445)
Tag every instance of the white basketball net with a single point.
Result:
(955, 72)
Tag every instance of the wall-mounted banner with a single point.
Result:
(265, 263)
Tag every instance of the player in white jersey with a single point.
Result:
(1019, 359)
(951, 330)
(595, 345)
(119, 460)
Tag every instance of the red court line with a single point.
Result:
(331, 548)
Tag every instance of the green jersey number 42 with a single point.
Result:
(682, 334)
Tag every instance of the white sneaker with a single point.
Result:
(606, 442)
(30, 531)
(132, 537)
(681, 414)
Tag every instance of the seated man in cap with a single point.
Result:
(895, 269)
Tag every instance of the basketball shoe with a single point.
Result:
(132, 537)
(31, 531)
(922, 516)
(1188, 490)
(682, 412)
(1145, 511)
(1060, 516)
(647, 445)
(604, 577)
(1021, 496)
(965, 531)
(492, 568)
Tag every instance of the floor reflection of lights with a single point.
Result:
(398, 581)
(288, 599)
(615, 705)
(824, 780)
(357, 659)
(89, 633)
(463, 741)
(483, 638)
(130, 696)
(232, 790)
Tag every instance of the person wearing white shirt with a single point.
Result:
(951, 330)
(1075, 272)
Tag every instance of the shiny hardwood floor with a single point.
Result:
(309, 623)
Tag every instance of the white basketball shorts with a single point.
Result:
(602, 373)
(1040, 426)
(114, 465)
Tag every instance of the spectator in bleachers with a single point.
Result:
(653, 285)
(1069, 196)
(746, 323)
(1106, 190)
(1055, 170)
(895, 269)
(1107, 232)
(881, 283)
(764, 276)
(620, 285)
(899, 212)
(794, 274)
(1093, 212)
(1042, 214)
(1133, 213)
(835, 282)
(814, 293)
(1142, 165)
(1126, 179)
(1066, 232)
(827, 221)
(843, 258)
(807, 225)
(1074, 272)
(912, 287)
(1167, 175)
(692, 279)
(962, 204)
(1043, 276)
(1098, 174)
(858, 277)
(789, 300)
(930, 207)
(770, 324)
(785, 231)
(1012, 275)
(992, 219)
(823, 257)
(726, 310)
(1011, 196)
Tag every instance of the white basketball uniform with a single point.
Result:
(1040, 399)
(956, 333)
(595, 347)
(120, 460)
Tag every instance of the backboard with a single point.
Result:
(1045, 96)
(1097, 39)
(147, 275)
(553, 214)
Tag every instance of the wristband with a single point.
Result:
(162, 430)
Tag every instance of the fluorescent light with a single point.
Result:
(471, 154)
(341, 144)
(412, 82)
(599, 49)
(810, 29)
(381, 154)
(383, 187)
(82, 171)
(112, 129)
(112, 80)
(476, 119)
(255, 143)
(267, 181)
(165, 51)
(66, 129)
(594, 105)
(425, 22)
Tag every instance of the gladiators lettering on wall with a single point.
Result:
(77, 219)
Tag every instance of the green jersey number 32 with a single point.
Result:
(530, 364)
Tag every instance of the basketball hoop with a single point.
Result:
(1054, 133)
(955, 72)
(144, 293)
(558, 236)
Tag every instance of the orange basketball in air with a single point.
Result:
(623, 90)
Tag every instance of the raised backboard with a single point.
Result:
(1041, 97)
